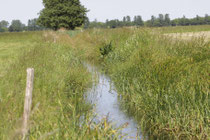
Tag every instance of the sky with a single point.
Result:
(110, 9)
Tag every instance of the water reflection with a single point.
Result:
(105, 98)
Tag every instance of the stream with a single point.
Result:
(106, 103)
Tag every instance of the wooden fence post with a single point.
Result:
(28, 101)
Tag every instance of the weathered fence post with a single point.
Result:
(28, 100)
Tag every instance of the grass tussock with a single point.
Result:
(164, 82)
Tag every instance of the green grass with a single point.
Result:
(10, 48)
(183, 29)
(164, 82)
(59, 86)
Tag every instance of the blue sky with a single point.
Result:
(110, 9)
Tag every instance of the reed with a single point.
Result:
(164, 82)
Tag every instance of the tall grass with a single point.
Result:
(59, 110)
(11, 44)
(183, 29)
(164, 82)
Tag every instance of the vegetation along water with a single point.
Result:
(162, 82)
(59, 83)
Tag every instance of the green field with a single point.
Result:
(164, 82)
(59, 85)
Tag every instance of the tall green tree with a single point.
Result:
(207, 19)
(153, 19)
(128, 21)
(4, 26)
(139, 21)
(174, 22)
(62, 14)
(167, 20)
(16, 26)
(124, 21)
(135, 20)
(184, 21)
(33, 26)
(161, 20)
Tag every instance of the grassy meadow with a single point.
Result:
(183, 29)
(58, 110)
(164, 82)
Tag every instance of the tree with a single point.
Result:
(167, 20)
(135, 20)
(128, 21)
(62, 14)
(174, 22)
(184, 21)
(139, 21)
(161, 20)
(152, 21)
(87, 23)
(124, 21)
(200, 20)
(33, 26)
(96, 24)
(207, 19)
(128, 18)
(16, 26)
(114, 23)
(3, 26)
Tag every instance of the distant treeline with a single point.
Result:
(160, 21)
(18, 26)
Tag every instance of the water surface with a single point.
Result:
(106, 104)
